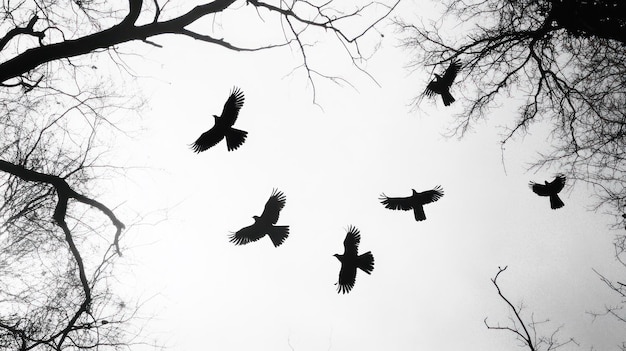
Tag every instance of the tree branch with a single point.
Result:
(526, 336)
(133, 13)
(228, 45)
(21, 30)
(534, 342)
(64, 193)
(121, 33)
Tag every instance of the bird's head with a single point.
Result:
(414, 192)
(546, 182)
(437, 76)
(256, 218)
(338, 256)
(216, 117)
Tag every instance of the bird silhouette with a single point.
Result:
(550, 189)
(264, 224)
(223, 127)
(414, 202)
(441, 85)
(351, 260)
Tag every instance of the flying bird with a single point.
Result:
(550, 189)
(351, 260)
(441, 85)
(414, 202)
(223, 127)
(264, 224)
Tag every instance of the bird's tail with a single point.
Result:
(366, 262)
(556, 202)
(234, 138)
(447, 98)
(418, 211)
(278, 234)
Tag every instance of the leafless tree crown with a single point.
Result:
(565, 60)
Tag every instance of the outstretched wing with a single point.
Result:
(434, 87)
(451, 72)
(552, 188)
(246, 235)
(557, 184)
(208, 139)
(396, 203)
(351, 242)
(274, 204)
(539, 189)
(429, 196)
(347, 277)
(232, 106)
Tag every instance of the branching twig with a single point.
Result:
(526, 332)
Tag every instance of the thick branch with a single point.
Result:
(133, 12)
(19, 30)
(84, 306)
(121, 33)
(64, 193)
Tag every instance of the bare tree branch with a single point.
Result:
(526, 332)
(21, 30)
(64, 193)
(121, 33)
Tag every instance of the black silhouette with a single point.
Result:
(550, 189)
(414, 202)
(351, 260)
(223, 127)
(264, 224)
(441, 85)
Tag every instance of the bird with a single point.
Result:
(441, 85)
(550, 189)
(414, 202)
(351, 260)
(264, 224)
(223, 127)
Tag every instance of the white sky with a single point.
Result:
(430, 289)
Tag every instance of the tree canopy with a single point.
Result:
(565, 61)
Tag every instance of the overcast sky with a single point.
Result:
(430, 288)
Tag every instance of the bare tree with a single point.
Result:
(564, 59)
(58, 241)
(525, 331)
